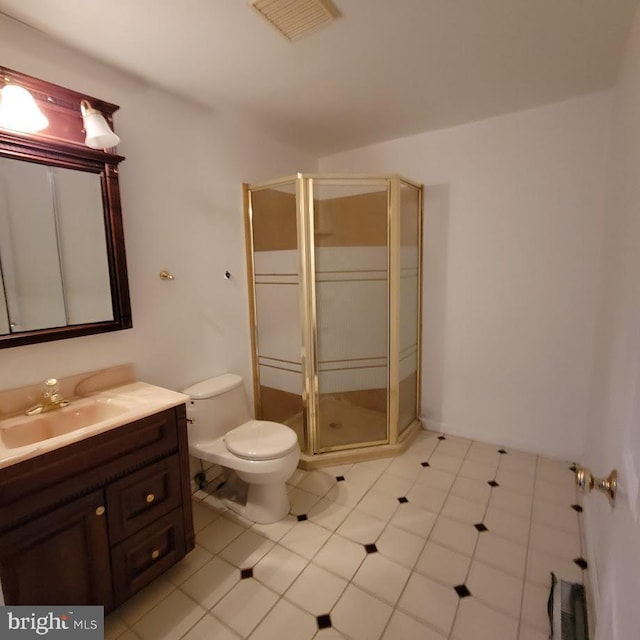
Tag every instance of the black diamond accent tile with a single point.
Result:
(324, 621)
(402, 500)
(371, 548)
(425, 464)
(581, 562)
(302, 517)
(462, 590)
(493, 483)
(340, 478)
(573, 468)
(576, 507)
(480, 527)
(502, 451)
(441, 438)
(246, 573)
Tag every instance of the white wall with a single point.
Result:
(613, 439)
(513, 215)
(181, 188)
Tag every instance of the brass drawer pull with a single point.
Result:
(100, 511)
(150, 497)
(155, 554)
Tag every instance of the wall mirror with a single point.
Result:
(62, 258)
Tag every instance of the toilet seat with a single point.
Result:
(261, 440)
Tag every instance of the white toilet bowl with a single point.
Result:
(264, 456)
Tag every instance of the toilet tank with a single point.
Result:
(217, 405)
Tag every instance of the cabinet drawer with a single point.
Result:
(137, 500)
(146, 554)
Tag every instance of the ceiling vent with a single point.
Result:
(296, 18)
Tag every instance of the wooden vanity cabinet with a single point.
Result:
(97, 520)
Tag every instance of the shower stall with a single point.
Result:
(334, 265)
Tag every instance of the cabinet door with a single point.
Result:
(59, 558)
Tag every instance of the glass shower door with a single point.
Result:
(350, 232)
(277, 332)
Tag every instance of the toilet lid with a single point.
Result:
(261, 440)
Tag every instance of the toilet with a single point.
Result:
(262, 454)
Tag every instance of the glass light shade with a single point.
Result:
(99, 134)
(19, 111)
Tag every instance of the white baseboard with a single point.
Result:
(508, 442)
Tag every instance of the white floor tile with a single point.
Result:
(219, 534)
(276, 530)
(340, 556)
(346, 493)
(501, 553)
(171, 619)
(316, 590)
(363, 477)
(555, 542)
(463, 510)
(382, 577)
(245, 606)
(442, 564)
(328, 514)
(114, 627)
(361, 527)
(209, 627)
(305, 538)
(203, 516)
(562, 494)
(209, 584)
(522, 463)
(556, 516)
(285, 621)
(393, 486)
(328, 633)
(511, 502)
(478, 470)
(414, 519)
(186, 567)
(359, 615)
(246, 550)
(495, 588)
(378, 505)
(445, 462)
(140, 604)
(427, 497)
(541, 564)
(436, 479)
(515, 482)
(474, 490)
(317, 482)
(400, 546)
(507, 525)
(279, 568)
(476, 621)
(301, 501)
(459, 536)
(534, 606)
(430, 602)
(403, 627)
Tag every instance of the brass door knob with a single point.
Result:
(100, 511)
(586, 482)
(155, 554)
(150, 497)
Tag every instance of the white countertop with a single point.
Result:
(115, 407)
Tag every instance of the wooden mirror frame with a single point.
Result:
(62, 145)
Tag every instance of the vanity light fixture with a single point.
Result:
(19, 111)
(99, 134)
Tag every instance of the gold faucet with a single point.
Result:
(51, 398)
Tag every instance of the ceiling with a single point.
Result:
(385, 69)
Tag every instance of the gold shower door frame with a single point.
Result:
(304, 186)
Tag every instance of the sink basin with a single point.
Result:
(26, 430)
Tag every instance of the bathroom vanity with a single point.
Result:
(93, 515)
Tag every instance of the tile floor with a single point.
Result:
(452, 540)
